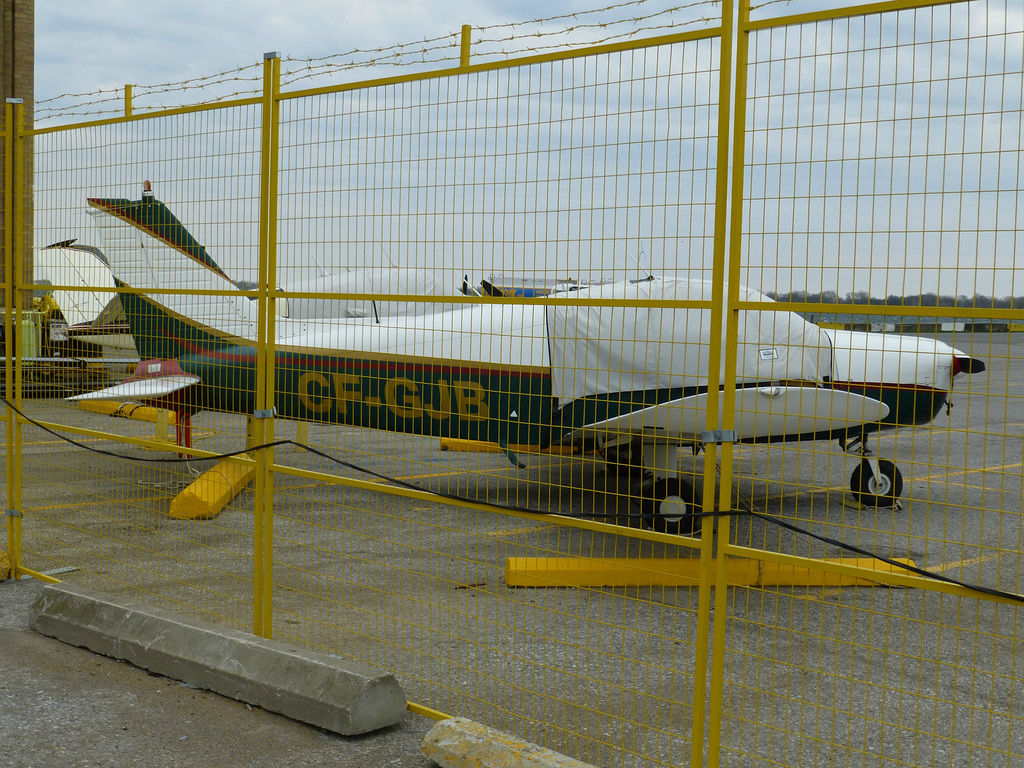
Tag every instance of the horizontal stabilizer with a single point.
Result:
(144, 389)
(152, 379)
(761, 413)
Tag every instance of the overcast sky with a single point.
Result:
(972, 122)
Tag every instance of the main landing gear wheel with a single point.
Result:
(872, 491)
(669, 505)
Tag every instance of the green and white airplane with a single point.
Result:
(630, 380)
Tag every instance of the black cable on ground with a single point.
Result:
(1011, 596)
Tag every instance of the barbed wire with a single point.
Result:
(766, 3)
(115, 96)
(453, 39)
(608, 38)
(204, 81)
(578, 14)
(488, 44)
(325, 66)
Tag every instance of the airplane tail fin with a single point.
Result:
(174, 294)
(65, 267)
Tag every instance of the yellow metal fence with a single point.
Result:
(346, 484)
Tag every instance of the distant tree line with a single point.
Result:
(915, 300)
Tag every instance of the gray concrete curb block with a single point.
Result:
(335, 694)
(461, 743)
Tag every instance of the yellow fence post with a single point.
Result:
(14, 242)
(128, 106)
(715, 353)
(466, 42)
(9, 301)
(263, 426)
(736, 191)
(16, 173)
(269, 318)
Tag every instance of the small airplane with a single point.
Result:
(628, 380)
(78, 274)
(495, 285)
(385, 281)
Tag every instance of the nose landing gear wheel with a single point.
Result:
(669, 506)
(624, 459)
(881, 491)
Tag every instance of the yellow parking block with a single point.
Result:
(161, 417)
(128, 410)
(212, 491)
(681, 572)
(479, 446)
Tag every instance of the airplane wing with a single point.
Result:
(761, 413)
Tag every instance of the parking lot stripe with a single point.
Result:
(942, 567)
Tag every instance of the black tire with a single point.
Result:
(876, 492)
(670, 506)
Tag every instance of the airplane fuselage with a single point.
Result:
(492, 400)
(463, 401)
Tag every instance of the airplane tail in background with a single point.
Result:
(150, 250)
(65, 265)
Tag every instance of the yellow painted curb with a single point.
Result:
(212, 490)
(461, 743)
(681, 572)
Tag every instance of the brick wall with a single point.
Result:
(17, 80)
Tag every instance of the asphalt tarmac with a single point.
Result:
(864, 675)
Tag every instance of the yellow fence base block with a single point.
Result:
(212, 491)
(682, 572)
